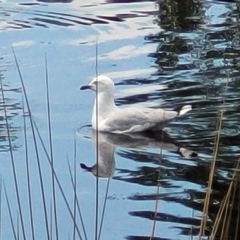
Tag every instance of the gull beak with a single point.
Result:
(84, 87)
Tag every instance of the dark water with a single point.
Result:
(167, 53)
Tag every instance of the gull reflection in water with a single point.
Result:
(106, 143)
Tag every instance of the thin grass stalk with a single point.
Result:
(35, 144)
(219, 217)
(28, 173)
(226, 198)
(238, 215)
(12, 161)
(77, 203)
(156, 207)
(225, 228)
(223, 206)
(156, 204)
(104, 208)
(157, 195)
(56, 178)
(51, 222)
(18, 232)
(226, 209)
(1, 207)
(10, 212)
(97, 150)
(211, 174)
(75, 185)
(230, 208)
(81, 219)
(74, 209)
(51, 149)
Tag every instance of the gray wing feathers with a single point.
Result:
(138, 119)
(126, 120)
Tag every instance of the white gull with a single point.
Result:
(110, 118)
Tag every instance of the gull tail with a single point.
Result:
(184, 109)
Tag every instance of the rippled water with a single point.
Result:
(167, 53)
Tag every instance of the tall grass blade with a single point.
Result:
(28, 173)
(74, 198)
(18, 225)
(224, 205)
(35, 144)
(10, 212)
(12, 160)
(225, 216)
(211, 174)
(238, 214)
(1, 207)
(51, 222)
(225, 202)
(157, 195)
(51, 149)
(104, 208)
(75, 184)
(230, 205)
(77, 202)
(219, 217)
(81, 219)
(56, 178)
(97, 150)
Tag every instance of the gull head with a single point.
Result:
(100, 84)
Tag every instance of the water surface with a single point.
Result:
(159, 54)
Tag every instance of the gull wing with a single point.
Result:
(127, 120)
(136, 119)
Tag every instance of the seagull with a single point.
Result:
(107, 117)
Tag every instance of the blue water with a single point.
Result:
(153, 60)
